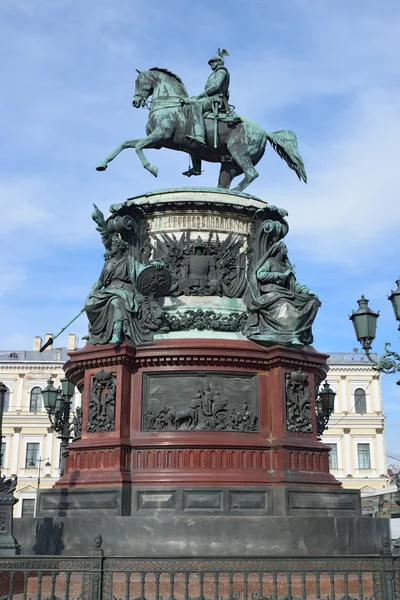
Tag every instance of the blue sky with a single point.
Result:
(327, 70)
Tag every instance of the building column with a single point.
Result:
(347, 453)
(15, 451)
(376, 398)
(20, 393)
(380, 453)
(342, 396)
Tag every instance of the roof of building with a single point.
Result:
(354, 358)
(58, 355)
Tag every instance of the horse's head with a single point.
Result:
(143, 89)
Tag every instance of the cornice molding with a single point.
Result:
(196, 353)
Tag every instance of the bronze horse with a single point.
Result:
(238, 148)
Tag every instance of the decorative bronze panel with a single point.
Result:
(200, 400)
(102, 402)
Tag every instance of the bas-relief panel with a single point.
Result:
(202, 401)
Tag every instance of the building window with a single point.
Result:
(35, 403)
(32, 456)
(7, 400)
(333, 463)
(3, 454)
(28, 507)
(364, 458)
(360, 401)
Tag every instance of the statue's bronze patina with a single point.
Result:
(205, 126)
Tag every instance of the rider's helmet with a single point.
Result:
(219, 57)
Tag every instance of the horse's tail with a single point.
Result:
(285, 144)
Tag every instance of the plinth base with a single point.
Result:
(178, 500)
(205, 535)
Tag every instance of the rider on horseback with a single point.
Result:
(214, 99)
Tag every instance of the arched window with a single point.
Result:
(7, 400)
(360, 401)
(35, 403)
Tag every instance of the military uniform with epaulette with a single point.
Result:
(214, 99)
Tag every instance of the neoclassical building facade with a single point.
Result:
(356, 430)
(31, 449)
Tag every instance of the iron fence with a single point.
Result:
(99, 577)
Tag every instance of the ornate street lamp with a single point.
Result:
(39, 466)
(57, 403)
(395, 300)
(3, 391)
(364, 320)
(325, 404)
(8, 543)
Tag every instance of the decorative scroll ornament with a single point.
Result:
(207, 410)
(298, 403)
(101, 415)
(133, 229)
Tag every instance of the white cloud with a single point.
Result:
(350, 205)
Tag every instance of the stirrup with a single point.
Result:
(191, 172)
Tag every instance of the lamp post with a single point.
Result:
(3, 391)
(364, 320)
(324, 406)
(57, 402)
(8, 543)
(40, 460)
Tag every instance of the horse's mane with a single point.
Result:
(170, 73)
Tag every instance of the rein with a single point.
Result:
(162, 99)
(159, 99)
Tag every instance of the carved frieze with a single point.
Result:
(201, 401)
(298, 403)
(102, 393)
(205, 319)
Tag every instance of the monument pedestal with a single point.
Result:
(196, 413)
(194, 488)
(203, 442)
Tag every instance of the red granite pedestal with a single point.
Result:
(264, 491)
(272, 455)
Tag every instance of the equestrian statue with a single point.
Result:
(205, 126)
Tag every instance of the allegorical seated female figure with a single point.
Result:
(114, 307)
(280, 309)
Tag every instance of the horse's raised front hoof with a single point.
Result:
(101, 168)
(153, 170)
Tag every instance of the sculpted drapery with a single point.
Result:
(280, 309)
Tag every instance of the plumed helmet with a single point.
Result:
(199, 244)
(219, 57)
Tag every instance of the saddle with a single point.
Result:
(223, 111)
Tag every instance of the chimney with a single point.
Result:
(47, 337)
(37, 343)
(72, 341)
